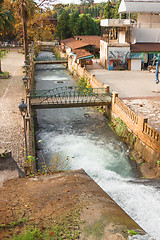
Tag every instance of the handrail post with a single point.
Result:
(106, 88)
(114, 96)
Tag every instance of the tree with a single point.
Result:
(25, 9)
(116, 14)
(6, 21)
(108, 10)
(86, 25)
(63, 30)
(73, 21)
(6, 18)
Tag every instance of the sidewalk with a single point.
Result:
(135, 89)
(11, 92)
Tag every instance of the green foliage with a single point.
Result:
(120, 127)
(30, 234)
(158, 162)
(14, 224)
(86, 25)
(65, 227)
(108, 10)
(116, 14)
(73, 22)
(132, 158)
(95, 11)
(6, 18)
(82, 82)
(63, 29)
(132, 232)
(96, 229)
(30, 159)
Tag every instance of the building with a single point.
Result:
(81, 48)
(131, 44)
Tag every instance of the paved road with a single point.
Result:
(11, 92)
(128, 83)
(135, 88)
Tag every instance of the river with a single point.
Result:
(83, 137)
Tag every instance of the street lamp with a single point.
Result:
(23, 110)
(26, 66)
(25, 80)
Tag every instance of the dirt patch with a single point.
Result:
(67, 205)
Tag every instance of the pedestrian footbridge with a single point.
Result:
(51, 62)
(68, 97)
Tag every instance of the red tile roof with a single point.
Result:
(91, 40)
(65, 41)
(82, 41)
(74, 44)
(81, 53)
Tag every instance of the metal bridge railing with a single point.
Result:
(70, 94)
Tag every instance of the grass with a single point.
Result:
(4, 75)
(30, 234)
(119, 127)
(66, 227)
(132, 232)
(96, 229)
(3, 53)
(14, 224)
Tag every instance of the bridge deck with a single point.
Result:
(51, 62)
(42, 103)
(69, 96)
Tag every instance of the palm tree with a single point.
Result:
(6, 18)
(6, 21)
(25, 9)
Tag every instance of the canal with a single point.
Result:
(82, 137)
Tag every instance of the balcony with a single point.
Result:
(117, 22)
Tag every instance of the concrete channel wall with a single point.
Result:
(30, 164)
(147, 142)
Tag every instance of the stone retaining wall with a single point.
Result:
(147, 138)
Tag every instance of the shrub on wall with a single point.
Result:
(119, 127)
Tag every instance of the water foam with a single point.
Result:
(101, 163)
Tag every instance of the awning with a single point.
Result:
(136, 6)
(145, 47)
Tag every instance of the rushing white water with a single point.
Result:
(110, 169)
(91, 145)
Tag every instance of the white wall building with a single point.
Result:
(127, 38)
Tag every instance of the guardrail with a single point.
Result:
(136, 123)
(151, 132)
(127, 111)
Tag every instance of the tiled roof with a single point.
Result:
(65, 41)
(91, 40)
(74, 44)
(81, 53)
(145, 47)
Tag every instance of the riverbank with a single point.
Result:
(80, 209)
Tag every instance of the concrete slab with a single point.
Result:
(128, 83)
